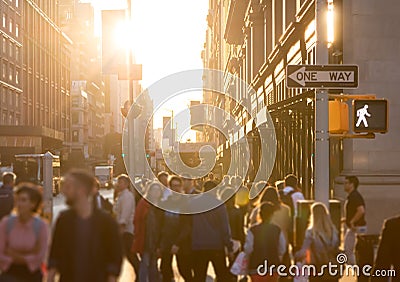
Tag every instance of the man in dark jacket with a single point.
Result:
(210, 236)
(86, 243)
(389, 250)
(7, 194)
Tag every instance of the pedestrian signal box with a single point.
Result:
(338, 117)
(370, 116)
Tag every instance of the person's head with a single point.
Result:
(320, 221)
(211, 176)
(9, 178)
(175, 183)
(123, 182)
(209, 185)
(28, 199)
(236, 181)
(154, 192)
(266, 212)
(270, 194)
(78, 185)
(188, 183)
(280, 184)
(350, 183)
(228, 196)
(162, 176)
(291, 181)
(227, 180)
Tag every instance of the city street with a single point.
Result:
(259, 133)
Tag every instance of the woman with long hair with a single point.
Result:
(281, 216)
(146, 222)
(23, 238)
(321, 242)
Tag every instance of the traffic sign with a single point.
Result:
(370, 116)
(322, 76)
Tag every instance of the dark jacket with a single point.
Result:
(389, 249)
(106, 246)
(210, 229)
(6, 200)
(265, 246)
(105, 203)
(236, 223)
(147, 227)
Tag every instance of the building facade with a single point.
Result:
(88, 97)
(38, 63)
(256, 40)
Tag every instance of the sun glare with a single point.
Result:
(123, 35)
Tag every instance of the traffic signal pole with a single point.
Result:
(131, 121)
(321, 164)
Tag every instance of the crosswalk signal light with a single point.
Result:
(370, 116)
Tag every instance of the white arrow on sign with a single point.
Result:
(302, 76)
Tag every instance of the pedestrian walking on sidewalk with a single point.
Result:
(147, 225)
(355, 217)
(321, 243)
(124, 211)
(7, 194)
(211, 235)
(265, 242)
(86, 244)
(23, 238)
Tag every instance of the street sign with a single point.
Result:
(370, 116)
(322, 76)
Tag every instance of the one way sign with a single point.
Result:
(322, 76)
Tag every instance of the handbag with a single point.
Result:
(330, 256)
(240, 265)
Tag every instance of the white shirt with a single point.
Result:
(124, 210)
(296, 196)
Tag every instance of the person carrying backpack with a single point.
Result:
(321, 243)
(7, 194)
(290, 194)
(23, 238)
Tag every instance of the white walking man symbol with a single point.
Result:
(362, 114)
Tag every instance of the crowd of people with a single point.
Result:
(90, 239)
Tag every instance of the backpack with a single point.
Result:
(288, 200)
(37, 224)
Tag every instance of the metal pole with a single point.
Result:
(321, 183)
(131, 121)
(48, 186)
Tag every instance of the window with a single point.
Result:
(4, 20)
(10, 98)
(4, 45)
(10, 49)
(10, 28)
(75, 136)
(4, 118)
(17, 76)
(75, 118)
(17, 3)
(4, 69)
(10, 119)
(17, 53)
(16, 30)
(4, 97)
(17, 118)
(11, 75)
